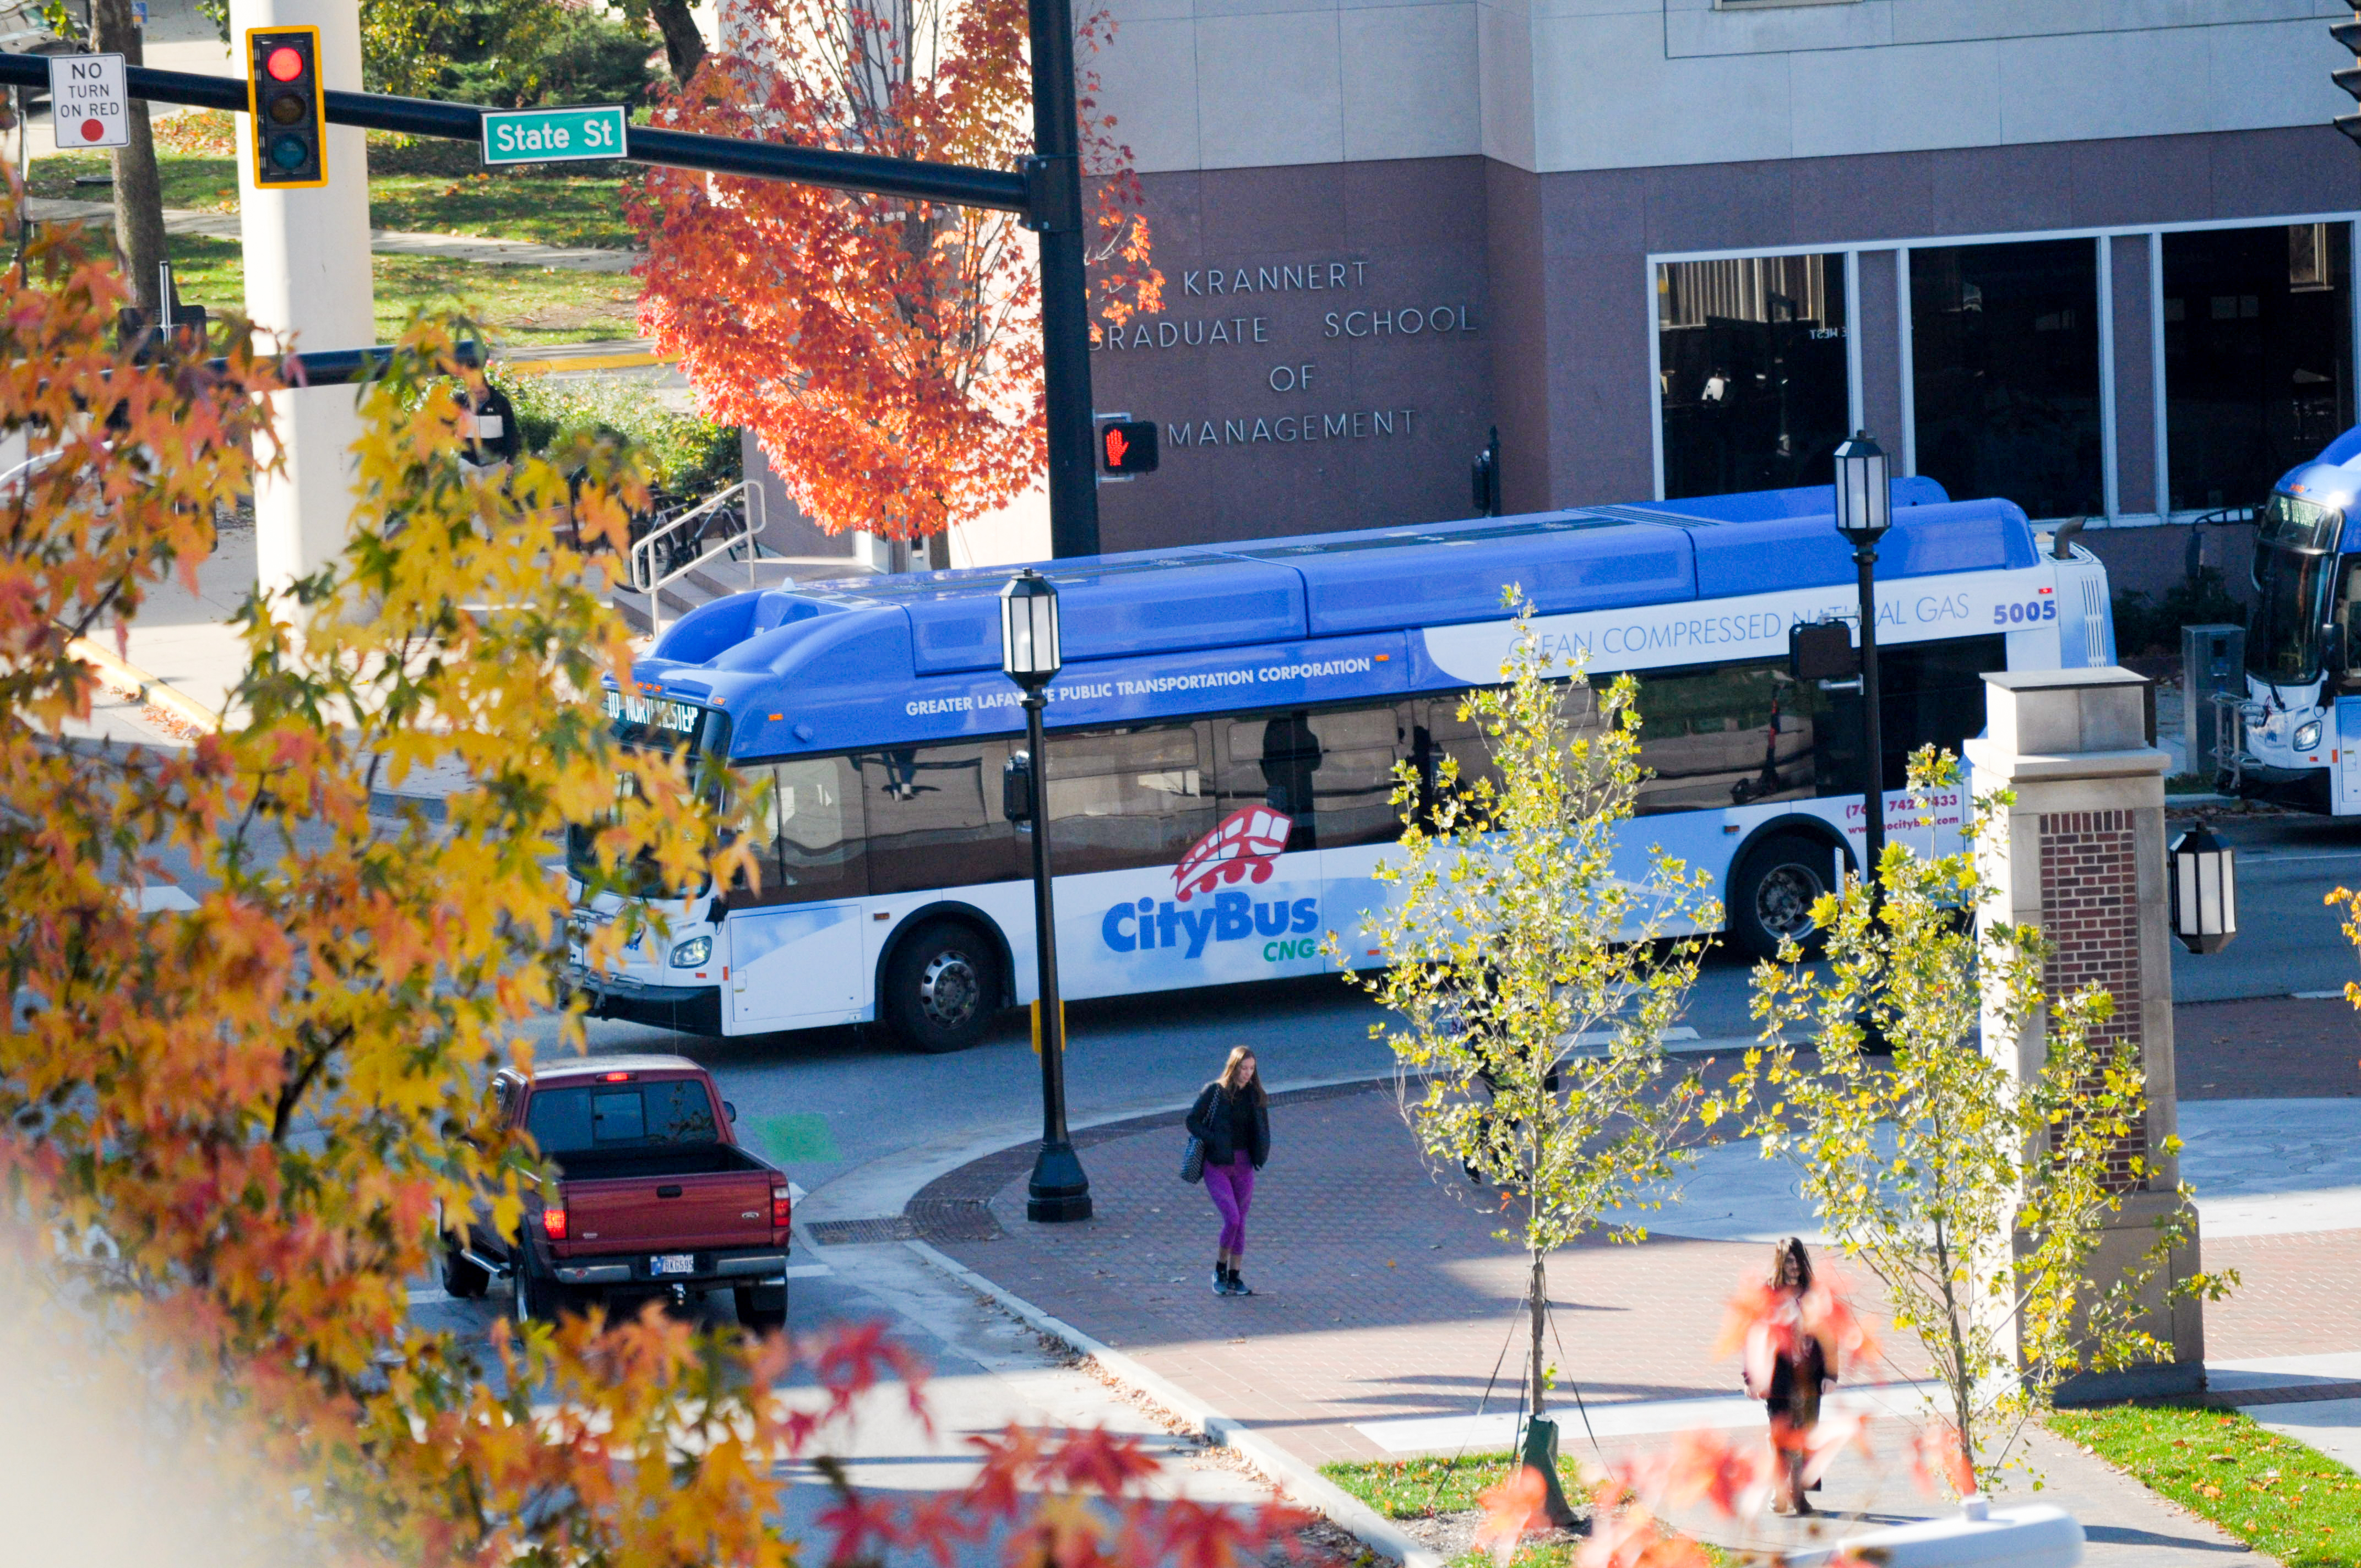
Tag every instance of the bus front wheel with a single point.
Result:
(1772, 893)
(943, 988)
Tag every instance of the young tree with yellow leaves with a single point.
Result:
(1975, 1195)
(1512, 944)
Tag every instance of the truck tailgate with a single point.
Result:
(668, 1213)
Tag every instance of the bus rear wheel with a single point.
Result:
(1772, 894)
(943, 988)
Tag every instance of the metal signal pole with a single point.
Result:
(1056, 173)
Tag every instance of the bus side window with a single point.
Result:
(810, 841)
(1353, 782)
(1459, 740)
(1934, 695)
(2345, 646)
(1718, 738)
(1122, 799)
(935, 819)
(1270, 760)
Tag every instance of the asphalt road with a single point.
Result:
(826, 1102)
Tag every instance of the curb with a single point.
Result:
(882, 1189)
(128, 678)
(1298, 1480)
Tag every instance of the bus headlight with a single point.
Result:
(2307, 736)
(693, 953)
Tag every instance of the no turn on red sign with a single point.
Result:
(88, 103)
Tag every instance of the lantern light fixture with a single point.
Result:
(1028, 629)
(2204, 891)
(1864, 491)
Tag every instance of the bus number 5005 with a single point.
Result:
(2018, 614)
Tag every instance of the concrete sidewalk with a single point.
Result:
(1387, 1316)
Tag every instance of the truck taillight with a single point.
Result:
(552, 1222)
(781, 1211)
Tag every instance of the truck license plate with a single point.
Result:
(673, 1263)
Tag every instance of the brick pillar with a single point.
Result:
(2080, 855)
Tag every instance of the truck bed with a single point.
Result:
(623, 1165)
(695, 1198)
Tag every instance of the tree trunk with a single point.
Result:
(138, 192)
(1538, 1299)
(684, 45)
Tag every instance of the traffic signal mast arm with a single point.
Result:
(953, 183)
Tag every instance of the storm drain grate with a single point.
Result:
(853, 1233)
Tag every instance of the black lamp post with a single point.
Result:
(1864, 511)
(1028, 652)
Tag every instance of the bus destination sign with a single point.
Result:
(653, 713)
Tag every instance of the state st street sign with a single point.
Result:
(553, 136)
(89, 106)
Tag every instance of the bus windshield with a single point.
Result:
(655, 724)
(2291, 581)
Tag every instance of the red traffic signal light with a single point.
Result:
(285, 100)
(1127, 447)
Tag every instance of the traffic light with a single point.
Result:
(2349, 78)
(1127, 447)
(284, 98)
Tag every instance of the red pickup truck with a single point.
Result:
(654, 1195)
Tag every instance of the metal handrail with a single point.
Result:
(644, 577)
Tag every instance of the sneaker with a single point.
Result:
(1239, 1286)
(1220, 1283)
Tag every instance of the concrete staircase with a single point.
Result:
(721, 578)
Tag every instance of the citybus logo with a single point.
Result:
(1246, 844)
(1243, 846)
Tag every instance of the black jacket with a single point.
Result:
(1209, 1119)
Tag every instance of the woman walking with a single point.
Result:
(1789, 1362)
(1232, 1119)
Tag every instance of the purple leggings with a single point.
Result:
(1231, 1187)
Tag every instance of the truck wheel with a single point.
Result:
(1773, 890)
(531, 1298)
(460, 1277)
(943, 988)
(761, 1308)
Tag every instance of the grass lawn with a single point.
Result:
(2276, 1494)
(517, 305)
(1418, 1488)
(555, 209)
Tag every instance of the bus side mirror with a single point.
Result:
(1017, 787)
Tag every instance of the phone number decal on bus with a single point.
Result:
(653, 713)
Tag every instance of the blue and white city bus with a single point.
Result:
(1223, 737)
(2296, 738)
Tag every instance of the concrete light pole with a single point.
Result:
(307, 277)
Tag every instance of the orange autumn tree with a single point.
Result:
(887, 354)
(228, 1129)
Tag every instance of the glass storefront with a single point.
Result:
(2258, 356)
(2004, 349)
(1752, 378)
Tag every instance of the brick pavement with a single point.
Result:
(1383, 1294)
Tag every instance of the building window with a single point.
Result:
(1753, 384)
(2258, 356)
(2004, 351)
